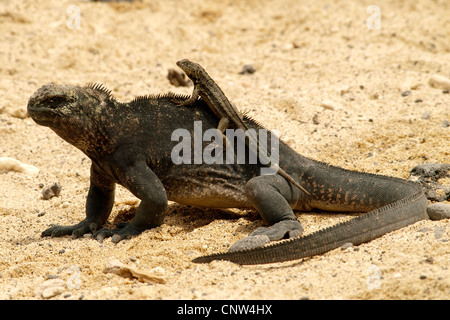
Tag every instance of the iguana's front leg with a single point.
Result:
(99, 203)
(145, 185)
(191, 99)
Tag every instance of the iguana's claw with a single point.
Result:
(125, 231)
(262, 236)
(280, 230)
(76, 230)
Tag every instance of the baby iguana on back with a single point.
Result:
(205, 87)
(133, 144)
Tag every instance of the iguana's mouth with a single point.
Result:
(44, 114)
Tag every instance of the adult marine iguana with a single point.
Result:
(131, 144)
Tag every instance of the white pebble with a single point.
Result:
(53, 283)
(439, 82)
(330, 105)
(346, 245)
(64, 205)
(438, 211)
(158, 270)
(10, 164)
(52, 288)
(52, 292)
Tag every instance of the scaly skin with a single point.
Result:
(131, 144)
(205, 87)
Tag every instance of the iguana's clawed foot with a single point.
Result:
(182, 103)
(261, 236)
(178, 102)
(124, 231)
(280, 230)
(76, 230)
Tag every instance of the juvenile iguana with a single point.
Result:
(210, 92)
(131, 144)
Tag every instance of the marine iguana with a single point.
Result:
(131, 144)
(205, 87)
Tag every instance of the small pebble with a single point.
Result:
(316, 119)
(10, 164)
(438, 211)
(440, 82)
(52, 292)
(121, 269)
(178, 79)
(158, 270)
(438, 232)
(406, 93)
(330, 105)
(426, 115)
(429, 260)
(53, 191)
(247, 69)
(346, 245)
(64, 205)
(433, 171)
(51, 288)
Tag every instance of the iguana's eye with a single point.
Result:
(55, 102)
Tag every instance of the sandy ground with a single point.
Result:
(304, 53)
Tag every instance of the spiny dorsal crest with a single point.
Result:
(99, 87)
(168, 95)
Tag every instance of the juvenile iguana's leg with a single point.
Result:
(273, 197)
(192, 99)
(224, 123)
(221, 127)
(145, 185)
(99, 203)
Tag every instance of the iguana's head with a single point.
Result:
(73, 112)
(190, 68)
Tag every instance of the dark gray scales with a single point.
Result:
(206, 88)
(130, 144)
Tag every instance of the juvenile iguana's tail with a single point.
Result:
(363, 228)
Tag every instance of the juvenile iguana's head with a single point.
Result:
(73, 112)
(190, 68)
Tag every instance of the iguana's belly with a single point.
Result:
(211, 196)
(208, 188)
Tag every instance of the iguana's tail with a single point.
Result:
(363, 228)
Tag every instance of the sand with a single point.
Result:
(335, 89)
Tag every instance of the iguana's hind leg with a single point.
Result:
(274, 198)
